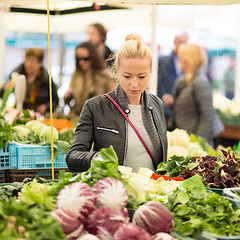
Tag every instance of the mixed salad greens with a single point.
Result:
(197, 210)
(216, 172)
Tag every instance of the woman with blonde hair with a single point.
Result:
(191, 99)
(128, 118)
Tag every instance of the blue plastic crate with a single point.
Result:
(38, 157)
(8, 158)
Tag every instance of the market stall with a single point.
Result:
(182, 199)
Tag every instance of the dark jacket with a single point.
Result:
(102, 123)
(42, 95)
(167, 75)
(108, 56)
(193, 108)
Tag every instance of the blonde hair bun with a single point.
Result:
(135, 37)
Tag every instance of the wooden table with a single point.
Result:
(230, 132)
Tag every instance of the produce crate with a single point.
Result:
(216, 190)
(211, 236)
(8, 157)
(230, 194)
(228, 119)
(2, 176)
(36, 157)
(18, 175)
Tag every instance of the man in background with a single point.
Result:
(37, 95)
(97, 34)
(168, 71)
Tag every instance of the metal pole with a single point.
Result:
(2, 44)
(237, 70)
(61, 59)
(152, 86)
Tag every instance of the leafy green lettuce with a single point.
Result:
(105, 164)
(37, 193)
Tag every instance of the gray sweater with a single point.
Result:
(193, 109)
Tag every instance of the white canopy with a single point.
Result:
(147, 2)
(223, 20)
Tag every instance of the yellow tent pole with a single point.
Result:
(50, 89)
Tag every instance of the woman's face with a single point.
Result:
(94, 35)
(83, 59)
(134, 74)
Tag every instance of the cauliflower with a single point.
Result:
(30, 124)
(22, 131)
(195, 149)
(45, 134)
(179, 137)
(145, 172)
(177, 150)
(169, 138)
(221, 103)
(38, 127)
(125, 170)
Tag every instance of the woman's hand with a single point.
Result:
(168, 100)
(68, 94)
(8, 85)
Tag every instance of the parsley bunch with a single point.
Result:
(6, 132)
(197, 210)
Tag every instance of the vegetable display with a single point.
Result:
(222, 172)
(131, 231)
(180, 143)
(104, 222)
(216, 172)
(154, 217)
(72, 223)
(78, 196)
(195, 210)
(22, 221)
(36, 132)
(93, 205)
(106, 188)
(103, 165)
(88, 237)
(6, 132)
(163, 236)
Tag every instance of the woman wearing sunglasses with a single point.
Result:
(128, 118)
(90, 78)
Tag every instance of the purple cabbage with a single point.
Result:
(162, 236)
(88, 236)
(104, 222)
(130, 231)
(110, 192)
(77, 196)
(71, 222)
(154, 217)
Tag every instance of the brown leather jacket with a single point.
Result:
(98, 83)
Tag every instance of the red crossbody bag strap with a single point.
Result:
(136, 131)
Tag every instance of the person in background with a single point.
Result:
(97, 34)
(102, 124)
(191, 99)
(168, 71)
(90, 78)
(37, 96)
(228, 79)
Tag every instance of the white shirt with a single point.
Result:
(137, 155)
